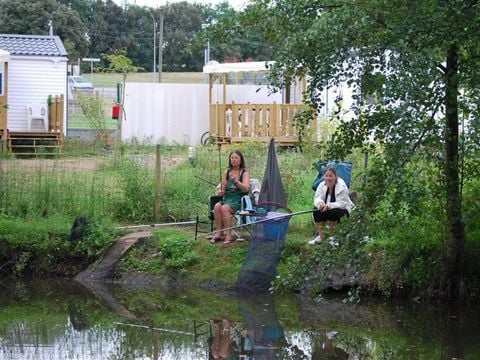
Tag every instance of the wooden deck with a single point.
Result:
(254, 122)
(37, 143)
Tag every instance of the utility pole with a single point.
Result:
(154, 43)
(206, 56)
(160, 49)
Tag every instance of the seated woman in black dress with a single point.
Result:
(331, 202)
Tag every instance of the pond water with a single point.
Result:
(67, 320)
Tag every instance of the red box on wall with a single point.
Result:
(115, 111)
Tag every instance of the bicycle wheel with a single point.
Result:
(205, 138)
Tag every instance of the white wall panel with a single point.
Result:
(167, 113)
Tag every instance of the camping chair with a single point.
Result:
(247, 206)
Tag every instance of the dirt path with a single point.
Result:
(74, 164)
(84, 163)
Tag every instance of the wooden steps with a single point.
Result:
(35, 143)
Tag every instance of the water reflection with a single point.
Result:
(259, 335)
(66, 320)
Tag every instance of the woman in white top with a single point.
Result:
(331, 202)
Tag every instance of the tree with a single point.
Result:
(140, 45)
(120, 63)
(32, 17)
(181, 22)
(82, 7)
(93, 107)
(229, 39)
(428, 61)
(107, 29)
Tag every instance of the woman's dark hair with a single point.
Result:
(242, 160)
(329, 168)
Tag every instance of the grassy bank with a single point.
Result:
(392, 244)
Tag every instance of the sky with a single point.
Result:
(236, 4)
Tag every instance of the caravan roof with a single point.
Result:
(214, 67)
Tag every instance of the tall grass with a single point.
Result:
(123, 188)
(42, 193)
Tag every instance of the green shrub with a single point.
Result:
(143, 259)
(41, 245)
(472, 244)
(291, 274)
(175, 249)
(135, 200)
(406, 253)
(100, 235)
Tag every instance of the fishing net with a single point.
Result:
(269, 228)
(264, 249)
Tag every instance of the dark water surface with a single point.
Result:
(68, 320)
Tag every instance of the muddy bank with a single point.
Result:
(107, 270)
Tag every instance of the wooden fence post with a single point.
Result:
(158, 168)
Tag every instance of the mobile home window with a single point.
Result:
(1, 79)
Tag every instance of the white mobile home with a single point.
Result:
(36, 86)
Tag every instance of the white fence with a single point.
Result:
(178, 113)
(168, 113)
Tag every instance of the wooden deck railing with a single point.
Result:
(55, 114)
(233, 123)
(3, 123)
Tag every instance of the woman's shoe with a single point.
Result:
(228, 241)
(332, 240)
(216, 239)
(315, 241)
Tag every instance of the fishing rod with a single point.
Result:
(220, 165)
(273, 218)
(206, 180)
(156, 225)
(219, 171)
(219, 168)
(219, 162)
(156, 328)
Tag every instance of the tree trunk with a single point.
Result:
(453, 286)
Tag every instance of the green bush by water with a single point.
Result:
(41, 246)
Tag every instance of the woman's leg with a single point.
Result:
(320, 220)
(331, 226)
(227, 213)
(333, 218)
(217, 214)
(319, 226)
